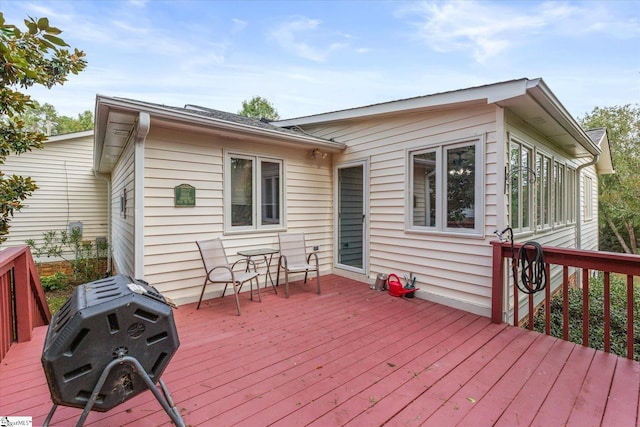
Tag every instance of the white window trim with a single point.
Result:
(570, 191)
(562, 199)
(533, 194)
(440, 149)
(257, 194)
(539, 182)
(588, 198)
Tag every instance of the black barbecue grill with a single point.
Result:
(110, 341)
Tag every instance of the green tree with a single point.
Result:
(45, 119)
(27, 58)
(68, 124)
(259, 108)
(619, 193)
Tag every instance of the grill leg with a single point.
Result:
(51, 412)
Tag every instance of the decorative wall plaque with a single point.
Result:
(184, 195)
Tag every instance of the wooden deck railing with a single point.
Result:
(22, 302)
(581, 260)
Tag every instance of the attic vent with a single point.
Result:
(121, 132)
(537, 120)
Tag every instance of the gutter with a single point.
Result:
(143, 124)
(577, 201)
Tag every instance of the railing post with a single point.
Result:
(630, 319)
(24, 300)
(497, 284)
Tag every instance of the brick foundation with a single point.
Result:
(51, 268)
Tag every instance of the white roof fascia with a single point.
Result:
(605, 162)
(492, 94)
(489, 93)
(538, 89)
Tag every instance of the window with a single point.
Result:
(446, 188)
(571, 199)
(521, 174)
(123, 203)
(253, 192)
(588, 198)
(560, 200)
(543, 191)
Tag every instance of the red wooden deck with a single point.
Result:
(353, 356)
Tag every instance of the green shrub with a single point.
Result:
(55, 282)
(84, 256)
(618, 319)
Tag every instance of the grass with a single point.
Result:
(56, 299)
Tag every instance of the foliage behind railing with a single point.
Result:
(22, 301)
(586, 262)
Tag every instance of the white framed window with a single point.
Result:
(522, 180)
(588, 198)
(543, 191)
(123, 203)
(446, 188)
(571, 195)
(253, 192)
(559, 194)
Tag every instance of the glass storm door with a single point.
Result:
(351, 218)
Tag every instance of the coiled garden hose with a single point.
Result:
(533, 272)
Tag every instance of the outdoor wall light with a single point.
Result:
(317, 154)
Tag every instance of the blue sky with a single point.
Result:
(309, 57)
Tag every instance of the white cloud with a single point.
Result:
(238, 25)
(130, 28)
(299, 36)
(488, 29)
(484, 29)
(287, 35)
(51, 13)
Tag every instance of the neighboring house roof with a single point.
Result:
(600, 137)
(531, 100)
(67, 136)
(118, 119)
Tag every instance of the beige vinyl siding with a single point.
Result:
(171, 259)
(68, 190)
(122, 223)
(589, 232)
(452, 269)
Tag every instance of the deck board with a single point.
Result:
(353, 356)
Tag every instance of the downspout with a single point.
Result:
(140, 134)
(596, 157)
(107, 178)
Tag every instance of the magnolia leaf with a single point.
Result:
(32, 26)
(43, 23)
(55, 40)
(45, 45)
